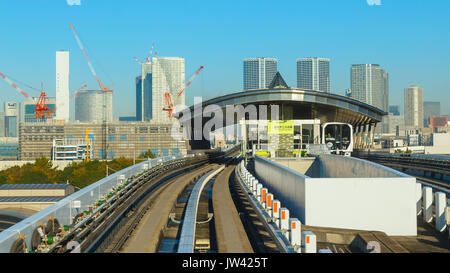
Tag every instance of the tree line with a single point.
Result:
(79, 174)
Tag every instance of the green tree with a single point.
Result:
(148, 154)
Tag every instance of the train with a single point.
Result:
(338, 137)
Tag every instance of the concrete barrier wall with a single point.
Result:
(287, 185)
(350, 200)
(336, 166)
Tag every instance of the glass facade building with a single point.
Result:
(394, 110)
(431, 109)
(162, 75)
(370, 84)
(313, 74)
(367, 84)
(259, 72)
(29, 109)
(144, 93)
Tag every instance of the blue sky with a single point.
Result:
(408, 38)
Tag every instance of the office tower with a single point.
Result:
(396, 124)
(144, 93)
(12, 115)
(93, 106)
(161, 75)
(259, 72)
(413, 107)
(62, 85)
(368, 84)
(430, 109)
(385, 78)
(394, 110)
(313, 74)
(2, 124)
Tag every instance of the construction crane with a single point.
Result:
(168, 98)
(41, 109)
(104, 89)
(148, 59)
(87, 143)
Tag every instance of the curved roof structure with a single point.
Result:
(307, 104)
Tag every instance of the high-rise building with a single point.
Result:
(93, 106)
(313, 74)
(368, 84)
(394, 110)
(385, 78)
(2, 124)
(161, 75)
(396, 124)
(413, 107)
(12, 116)
(259, 72)
(62, 85)
(144, 93)
(430, 109)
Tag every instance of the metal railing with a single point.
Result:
(94, 196)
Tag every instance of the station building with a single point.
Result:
(301, 119)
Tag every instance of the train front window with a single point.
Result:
(337, 136)
(332, 136)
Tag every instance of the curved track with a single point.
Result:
(230, 233)
(145, 238)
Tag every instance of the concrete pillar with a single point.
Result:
(427, 197)
(373, 135)
(361, 137)
(255, 183)
(309, 242)
(369, 136)
(276, 212)
(440, 206)
(366, 136)
(284, 222)
(264, 192)
(269, 201)
(296, 233)
(258, 191)
(419, 197)
(316, 134)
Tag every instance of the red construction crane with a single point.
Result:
(41, 109)
(168, 99)
(147, 59)
(103, 88)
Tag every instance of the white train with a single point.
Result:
(338, 137)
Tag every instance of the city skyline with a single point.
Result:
(222, 55)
